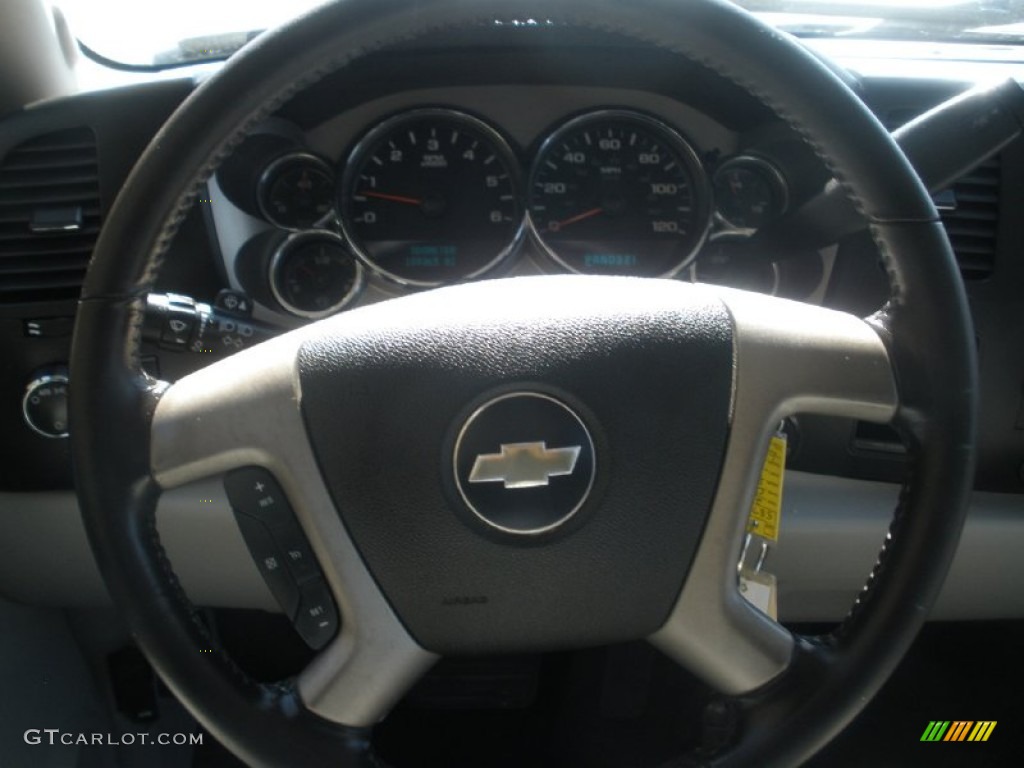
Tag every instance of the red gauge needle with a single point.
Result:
(393, 198)
(554, 226)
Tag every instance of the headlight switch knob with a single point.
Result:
(45, 404)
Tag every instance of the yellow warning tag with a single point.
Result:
(766, 511)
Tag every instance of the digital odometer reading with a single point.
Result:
(432, 197)
(619, 193)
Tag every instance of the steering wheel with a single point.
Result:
(631, 417)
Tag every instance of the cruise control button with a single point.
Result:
(271, 562)
(317, 619)
(254, 491)
(297, 552)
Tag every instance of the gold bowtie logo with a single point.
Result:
(524, 465)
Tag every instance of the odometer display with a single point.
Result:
(431, 197)
(617, 192)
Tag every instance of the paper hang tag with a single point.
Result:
(760, 590)
(766, 511)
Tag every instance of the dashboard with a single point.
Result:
(468, 160)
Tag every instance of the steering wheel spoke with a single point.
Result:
(238, 412)
(789, 358)
(242, 412)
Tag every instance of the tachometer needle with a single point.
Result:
(392, 198)
(554, 226)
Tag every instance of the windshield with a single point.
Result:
(159, 33)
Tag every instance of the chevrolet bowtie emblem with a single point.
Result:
(524, 465)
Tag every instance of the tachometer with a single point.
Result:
(431, 197)
(618, 192)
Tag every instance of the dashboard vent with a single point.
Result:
(49, 216)
(969, 209)
(970, 213)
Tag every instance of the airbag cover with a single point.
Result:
(647, 367)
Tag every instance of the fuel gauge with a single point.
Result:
(313, 274)
(749, 192)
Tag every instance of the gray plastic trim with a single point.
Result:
(790, 358)
(245, 411)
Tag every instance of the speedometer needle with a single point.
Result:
(393, 198)
(554, 226)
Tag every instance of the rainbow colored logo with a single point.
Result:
(958, 730)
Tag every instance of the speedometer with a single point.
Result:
(618, 192)
(431, 197)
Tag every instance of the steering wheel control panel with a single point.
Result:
(282, 553)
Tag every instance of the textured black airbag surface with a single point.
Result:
(647, 364)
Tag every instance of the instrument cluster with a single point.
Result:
(433, 196)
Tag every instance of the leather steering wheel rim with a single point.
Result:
(925, 325)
